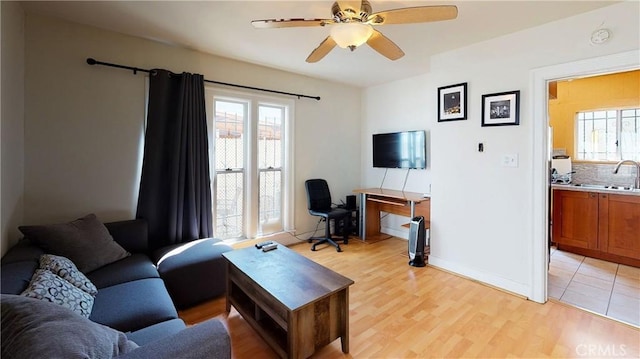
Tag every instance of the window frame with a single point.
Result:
(251, 223)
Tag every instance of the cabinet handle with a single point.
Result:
(592, 195)
(604, 196)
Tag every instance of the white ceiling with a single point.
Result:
(224, 28)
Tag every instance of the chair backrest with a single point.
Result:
(318, 195)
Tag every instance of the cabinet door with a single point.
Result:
(575, 218)
(619, 231)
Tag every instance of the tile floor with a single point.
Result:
(603, 287)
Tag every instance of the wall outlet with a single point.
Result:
(510, 160)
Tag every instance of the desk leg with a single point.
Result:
(362, 231)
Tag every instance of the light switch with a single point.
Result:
(510, 160)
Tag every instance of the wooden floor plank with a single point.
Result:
(399, 311)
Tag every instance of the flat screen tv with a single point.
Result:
(400, 150)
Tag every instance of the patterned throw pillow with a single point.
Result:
(47, 286)
(64, 268)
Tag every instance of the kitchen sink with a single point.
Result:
(606, 187)
(600, 186)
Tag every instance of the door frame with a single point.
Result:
(538, 86)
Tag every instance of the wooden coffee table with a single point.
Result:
(296, 305)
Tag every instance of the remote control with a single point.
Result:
(269, 247)
(262, 244)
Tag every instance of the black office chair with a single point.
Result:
(319, 203)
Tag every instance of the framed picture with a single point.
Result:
(501, 109)
(452, 102)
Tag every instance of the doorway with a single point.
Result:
(540, 79)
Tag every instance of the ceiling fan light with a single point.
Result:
(351, 34)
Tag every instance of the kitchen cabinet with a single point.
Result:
(600, 225)
(575, 219)
(619, 224)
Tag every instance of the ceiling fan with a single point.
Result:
(352, 27)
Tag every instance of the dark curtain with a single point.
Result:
(175, 192)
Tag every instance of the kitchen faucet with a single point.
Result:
(637, 185)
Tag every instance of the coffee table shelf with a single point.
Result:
(258, 318)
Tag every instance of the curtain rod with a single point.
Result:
(92, 61)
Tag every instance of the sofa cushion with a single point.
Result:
(208, 339)
(86, 241)
(132, 235)
(65, 269)
(16, 276)
(24, 250)
(155, 332)
(134, 267)
(49, 287)
(139, 304)
(39, 329)
(194, 271)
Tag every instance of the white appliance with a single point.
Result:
(561, 170)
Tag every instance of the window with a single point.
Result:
(250, 164)
(270, 145)
(229, 168)
(608, 135)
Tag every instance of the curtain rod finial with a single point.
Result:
(91, 61)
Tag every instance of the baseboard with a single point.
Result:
(484, 277)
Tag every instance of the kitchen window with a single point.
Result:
(608, 135)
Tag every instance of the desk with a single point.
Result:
(376, 200)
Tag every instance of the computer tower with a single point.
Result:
(351, 202)
(417, 241)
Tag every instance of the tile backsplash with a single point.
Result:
(602, 174)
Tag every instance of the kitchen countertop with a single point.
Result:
(595, 188)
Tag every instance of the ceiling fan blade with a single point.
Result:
(411, 15)
(322, 50)
(278, 23)
(384, 46)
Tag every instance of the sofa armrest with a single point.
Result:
(132, 235)
(208, 339)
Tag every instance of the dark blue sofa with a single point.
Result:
(133, 298)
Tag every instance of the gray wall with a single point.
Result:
(84, 124)
(12, 123)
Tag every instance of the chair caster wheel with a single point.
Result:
(313, 249)
(338, 249)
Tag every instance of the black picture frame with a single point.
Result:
(501, 109)
(452, 102)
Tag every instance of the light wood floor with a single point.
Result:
(399, 311)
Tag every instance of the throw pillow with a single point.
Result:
(38, 329)
(48, 286)
(86, 241)
(65, 269)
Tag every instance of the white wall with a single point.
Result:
(84, 124)
(398, 106)
(12, 123)
(481, 212)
